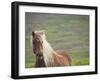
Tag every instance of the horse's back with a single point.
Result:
(64, 56)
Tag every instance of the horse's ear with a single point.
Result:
(33, 33)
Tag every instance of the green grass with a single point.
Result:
(67, 32)
(84, 61)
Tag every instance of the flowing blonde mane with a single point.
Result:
(48, 52)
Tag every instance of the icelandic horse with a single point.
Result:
(46, 56)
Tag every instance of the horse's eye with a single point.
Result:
(33, 42)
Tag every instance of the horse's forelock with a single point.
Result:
(40, 32)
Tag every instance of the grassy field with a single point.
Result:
(67, 32)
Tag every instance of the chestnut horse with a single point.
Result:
(45, 55)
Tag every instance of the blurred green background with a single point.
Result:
(63, 31)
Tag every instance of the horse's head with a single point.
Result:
(37, 41)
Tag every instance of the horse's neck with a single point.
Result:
(48, 54)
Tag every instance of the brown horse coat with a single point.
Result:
(62, 58)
